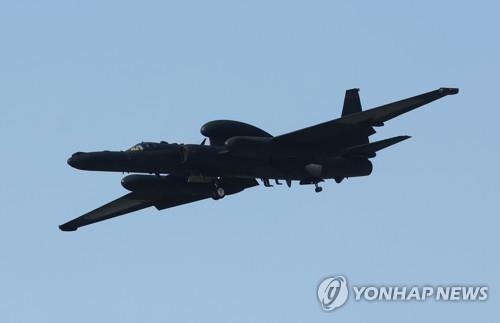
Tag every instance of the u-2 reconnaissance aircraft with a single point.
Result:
(239, 153)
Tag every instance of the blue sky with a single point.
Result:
(96, 75)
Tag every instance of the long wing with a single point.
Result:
(360, 123)
(377, 116)
(137, 201)
(123, 205)
(127, 204)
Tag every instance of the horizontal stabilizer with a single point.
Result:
(370, 150)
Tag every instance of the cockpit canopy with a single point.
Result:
(148, 146)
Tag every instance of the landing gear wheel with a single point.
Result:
(218, 193)
(318, 188)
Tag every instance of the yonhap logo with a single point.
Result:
(333, 293)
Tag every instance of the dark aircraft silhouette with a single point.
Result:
(240, 153)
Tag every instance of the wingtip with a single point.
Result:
(67, 228)
(402, 138)
(449, 90)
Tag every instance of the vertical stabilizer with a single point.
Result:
(352, 103)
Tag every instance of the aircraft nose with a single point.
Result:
(75, 159)
(99, 161)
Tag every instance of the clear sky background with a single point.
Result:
(96, 75)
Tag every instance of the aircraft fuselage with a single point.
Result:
(201, 160)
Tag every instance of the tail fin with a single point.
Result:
(352, 103)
